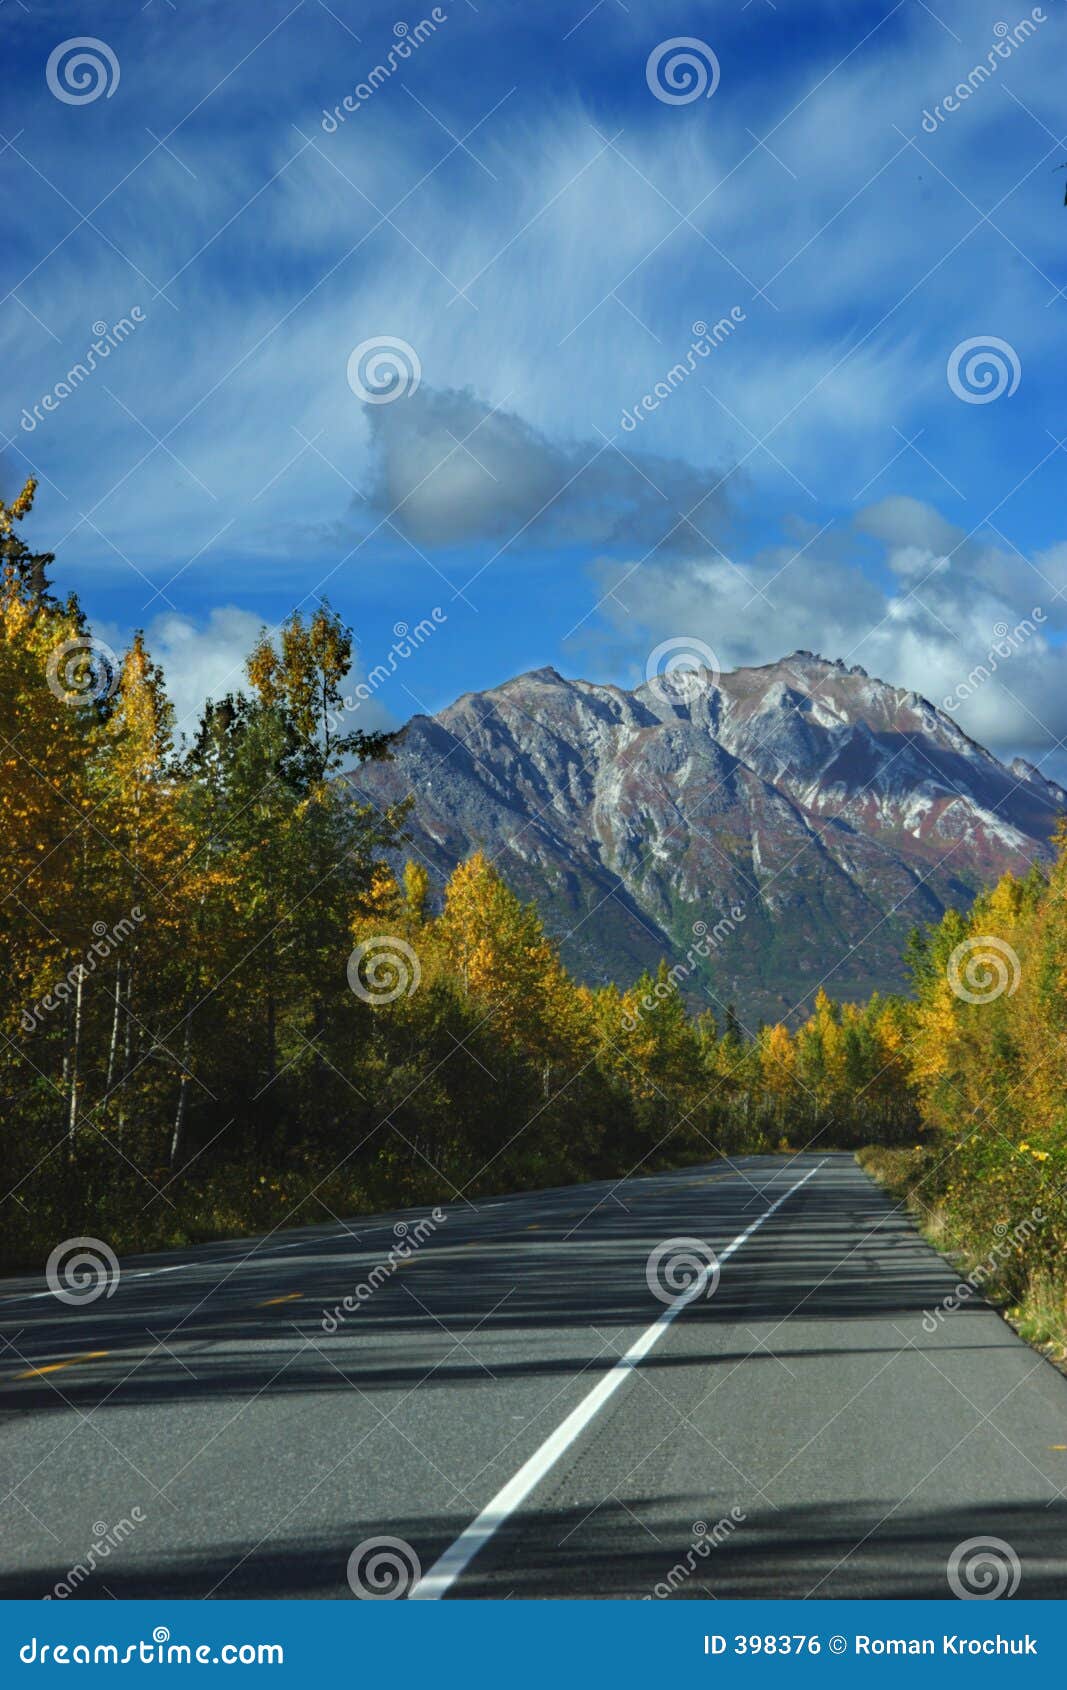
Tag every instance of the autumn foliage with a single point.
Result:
(988, 1052)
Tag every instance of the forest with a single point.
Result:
(227, 1008)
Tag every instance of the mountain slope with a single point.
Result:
(799, 817)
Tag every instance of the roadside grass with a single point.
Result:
(1026, 1283)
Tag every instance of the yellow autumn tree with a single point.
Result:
(506, 963)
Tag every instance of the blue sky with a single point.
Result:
(516, 203)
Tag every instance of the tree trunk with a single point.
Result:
(126, 1056)
(65, 1072)
(176, 1141)
(75, 1054)
(113, 1046)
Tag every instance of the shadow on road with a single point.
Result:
(573, 1271)
(796, 1553)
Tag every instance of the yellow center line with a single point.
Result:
(54, 1366)
(271, 1301)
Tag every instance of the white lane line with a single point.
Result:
(455, 1560)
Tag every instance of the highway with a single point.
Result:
(518, 1409)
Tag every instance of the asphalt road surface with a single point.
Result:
(525, 1417)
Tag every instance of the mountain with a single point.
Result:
(807, 815)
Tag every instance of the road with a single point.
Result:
(519, 1409)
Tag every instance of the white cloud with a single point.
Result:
(204, 658)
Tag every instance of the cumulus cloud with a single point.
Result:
(202, 659)
(451, 468)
